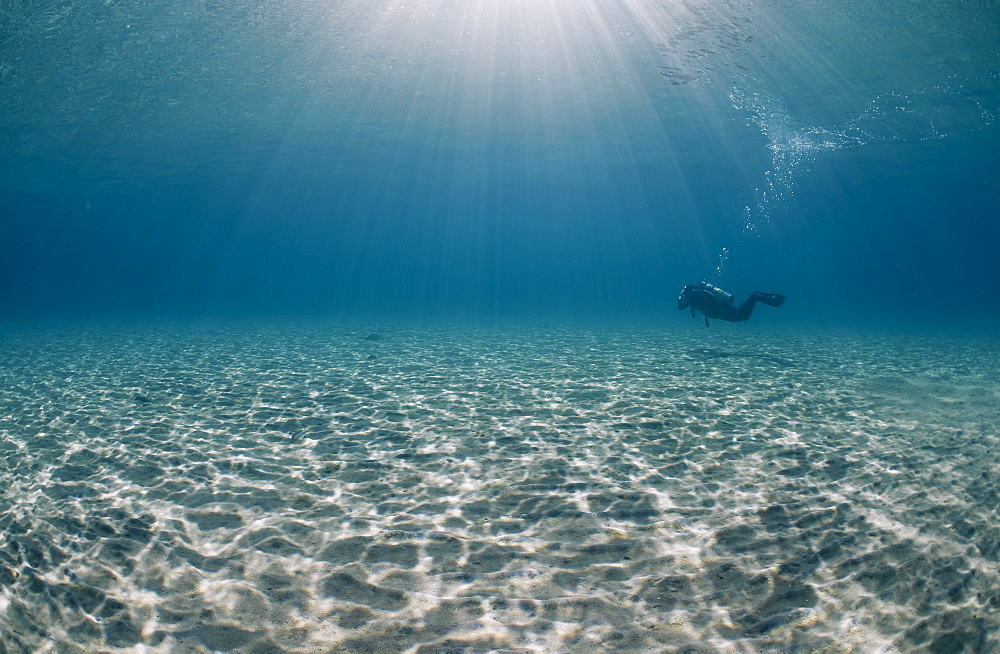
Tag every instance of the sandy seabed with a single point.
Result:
(251, 488)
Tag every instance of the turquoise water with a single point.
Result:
(306, 488)
(351, 326)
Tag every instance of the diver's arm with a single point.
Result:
(709, 304)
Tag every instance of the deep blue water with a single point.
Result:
(555, 158)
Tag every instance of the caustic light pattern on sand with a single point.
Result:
(281, 490)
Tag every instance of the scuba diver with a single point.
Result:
(713, 302)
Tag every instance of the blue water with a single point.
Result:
(483, 160)
(351, 325)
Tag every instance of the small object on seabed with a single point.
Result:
(374, 336)
(372, 357)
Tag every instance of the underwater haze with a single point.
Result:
(352, 326)
(497, 159)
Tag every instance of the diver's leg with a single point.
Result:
(743, 313)
(770, 299)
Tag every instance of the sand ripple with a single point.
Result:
(305, 489)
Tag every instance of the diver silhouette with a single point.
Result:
(713, 302)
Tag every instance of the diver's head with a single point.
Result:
(684, 299)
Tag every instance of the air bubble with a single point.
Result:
(934, 113)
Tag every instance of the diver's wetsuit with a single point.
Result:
(713, 302)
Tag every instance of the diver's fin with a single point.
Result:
(770, 299)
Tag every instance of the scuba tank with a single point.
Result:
(718, 293)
